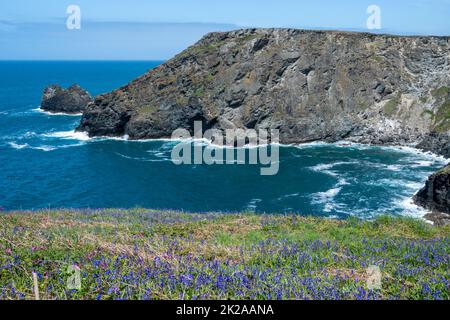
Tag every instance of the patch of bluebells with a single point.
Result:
(310, 270)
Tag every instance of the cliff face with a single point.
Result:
(311, 85)
(435, 195)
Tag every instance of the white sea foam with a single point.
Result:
(414, 186)
(307, 145)
(326, 167)
(423, 163)
(18, 146)
(70, 135)
(322, 167)
(343, 182)
(84, 136)
(160, 155)
(421, 158)
(395, 167)
(426, 155)
(159, 152)
(26, 135)
(293, 195)
(29, 134)
(142, 159)
(327, 199)
(27, 146)
(44, 148)
(410, 209)
(253, 204)
(401, 184)
(386, 183)
(38, 109)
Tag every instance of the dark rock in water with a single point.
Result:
(71, 100)
(311, 85)
(435, 195)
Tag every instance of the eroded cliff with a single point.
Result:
(311, 85)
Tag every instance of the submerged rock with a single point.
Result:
(71, 100)
(435, 196)
(311, 85)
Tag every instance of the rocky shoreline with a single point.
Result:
(310, 85)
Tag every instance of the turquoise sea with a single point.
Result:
(44, 164)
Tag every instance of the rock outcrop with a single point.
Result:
(311, 85)
(71, 100)
(435, 196)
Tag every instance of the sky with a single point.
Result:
(157, 30)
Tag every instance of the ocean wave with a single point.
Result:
(39, 110)
(422, 163)
(426, 155)
(307, 145)
(253, 204)
(18, 146)
(287, 196)
(44, 148)
(402, 184)
(15, 137)
(169, 142)
(326, 167)
(211, 145)
(160, 153)
(409, 208)
(404, 164)
(84, 136)
(395, 167)
(327, 199)
(142, 159)
(69, 135)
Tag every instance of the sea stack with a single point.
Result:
(72, 100)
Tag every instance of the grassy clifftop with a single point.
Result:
(143, 254)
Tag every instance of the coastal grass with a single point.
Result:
(148, 254)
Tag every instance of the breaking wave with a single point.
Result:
(39, 110)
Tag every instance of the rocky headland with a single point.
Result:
(311, 85)
(71, 100)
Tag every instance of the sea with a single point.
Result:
(45, 164)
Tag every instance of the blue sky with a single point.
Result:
(156, 30)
